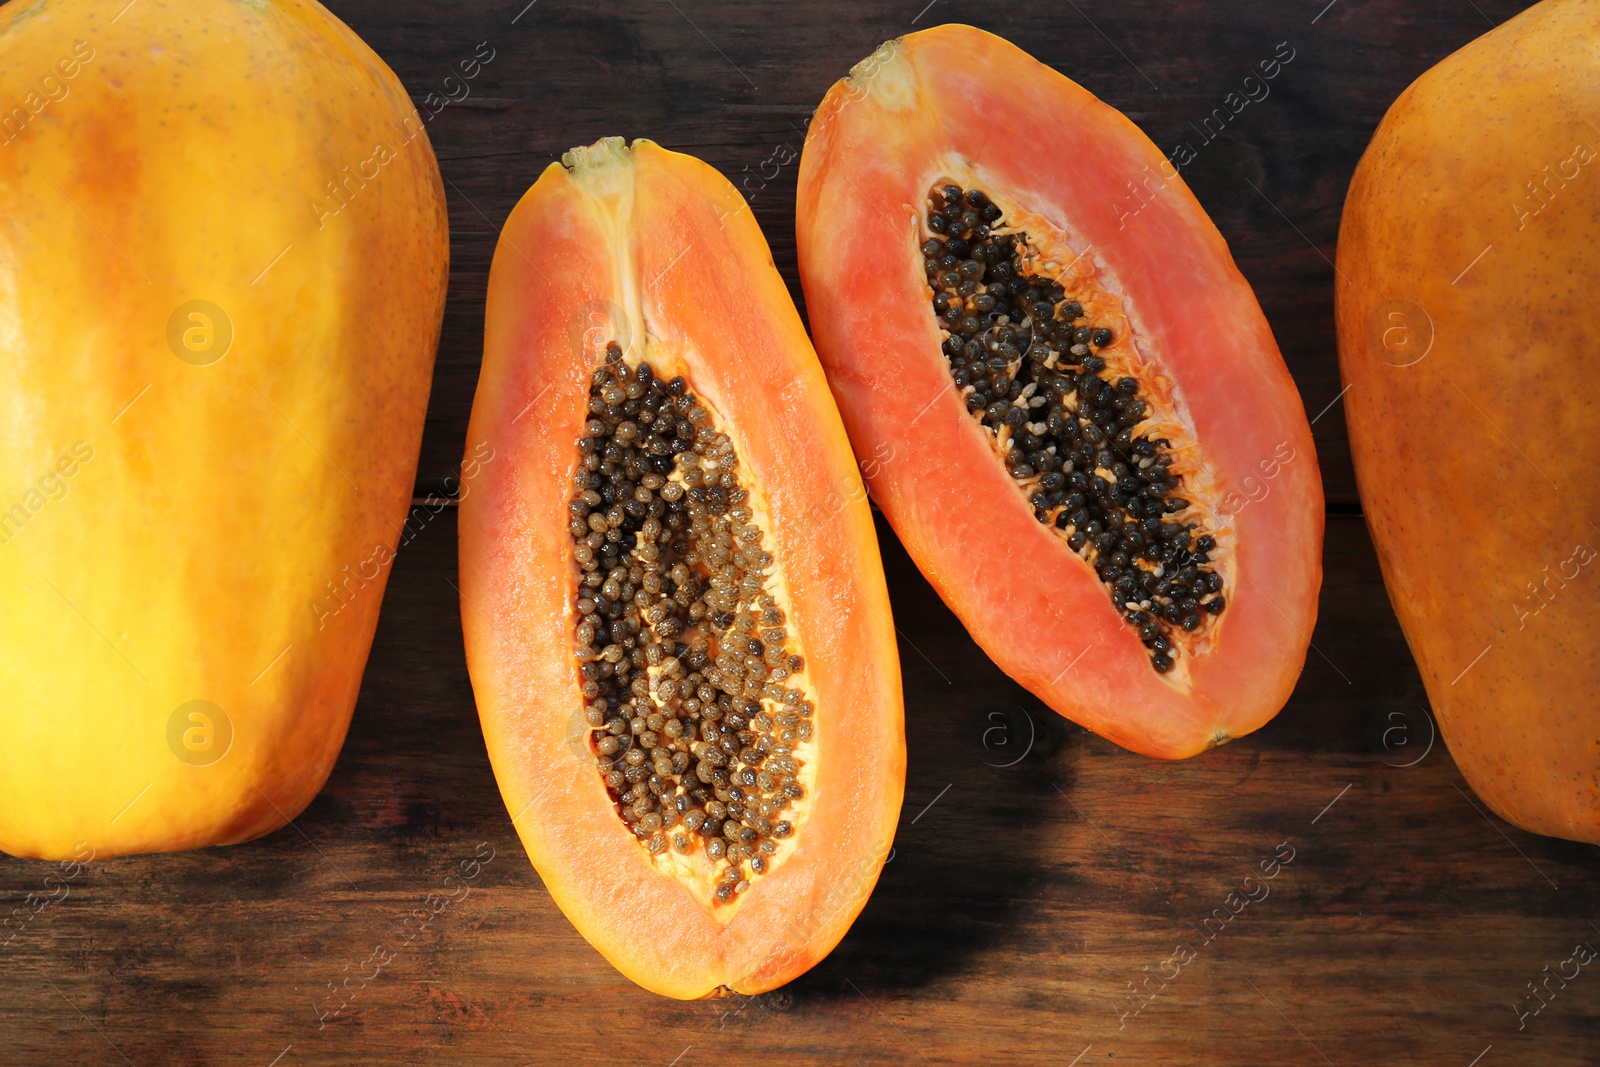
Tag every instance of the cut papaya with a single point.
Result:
(675, 614)
(1468, 341)
(1077, 419)
(226, 250)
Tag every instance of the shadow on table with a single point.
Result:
(980, 789)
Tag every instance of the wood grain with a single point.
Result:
(1020, 902)
(736, 83)
(1039, 872)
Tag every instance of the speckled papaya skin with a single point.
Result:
(223, 255)
(1470, 345)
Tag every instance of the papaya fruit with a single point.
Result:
(1471, 356)
(674, 611)
(226, 250)
(1066, 398)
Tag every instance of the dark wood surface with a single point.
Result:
(736, 84)
(1039, 874)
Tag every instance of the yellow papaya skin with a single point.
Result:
(1470, 350)
(223, 260)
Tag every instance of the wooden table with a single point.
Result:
(1051, 899)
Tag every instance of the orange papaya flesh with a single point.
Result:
(1067, 400)
(216, 377)
(1467, 343)
(675, 614)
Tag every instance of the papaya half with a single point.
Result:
(674, 610)
(1471, 354)
(222, 275)
(1065, 396)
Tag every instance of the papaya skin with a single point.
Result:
(211, 497)
(1470, 347)
(657, 251)
(954, 103)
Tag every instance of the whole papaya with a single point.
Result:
(222, 274)
(1471, 351)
